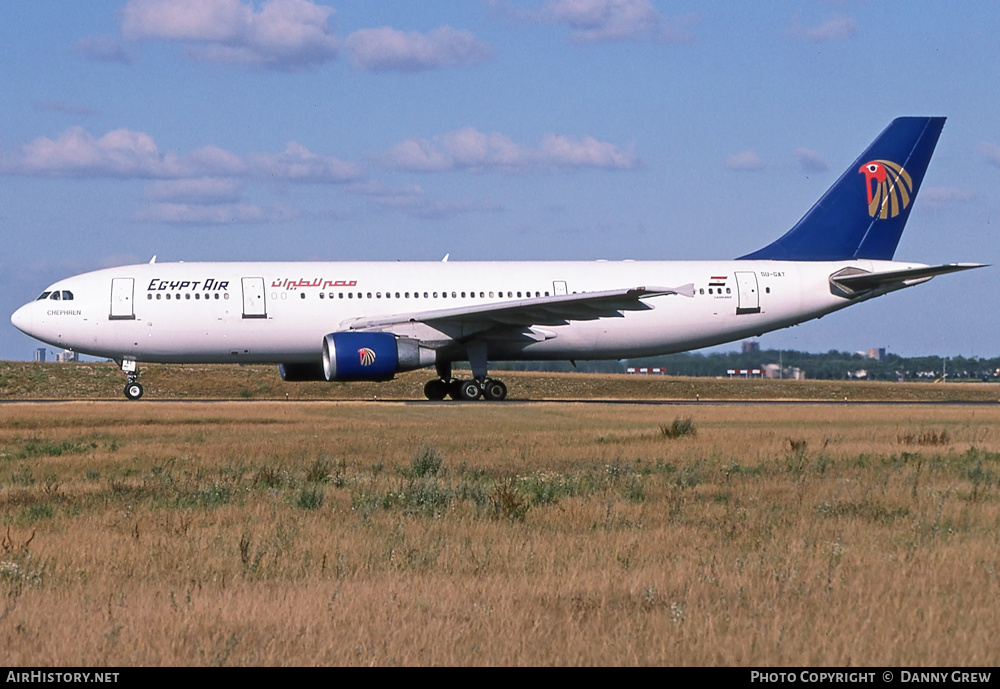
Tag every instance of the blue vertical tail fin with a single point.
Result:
(863, 214)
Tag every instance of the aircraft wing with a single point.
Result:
(524, 313)
(860, 281)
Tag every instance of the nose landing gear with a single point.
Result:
(133, 388)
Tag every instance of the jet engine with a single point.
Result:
(372, 356)
(301, 373)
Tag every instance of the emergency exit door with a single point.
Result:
(122, 299)
(254, 305)
(746, 287)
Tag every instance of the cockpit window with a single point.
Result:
(67, 295)
(43, 295)
(55, 296)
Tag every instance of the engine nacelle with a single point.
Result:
(372, 356)
(301, 373)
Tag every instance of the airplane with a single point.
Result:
(367, 321)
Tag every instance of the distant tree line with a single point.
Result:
(832, 365)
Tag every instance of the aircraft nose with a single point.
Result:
(22, 319)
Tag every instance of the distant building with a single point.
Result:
(40, 355)
(876, 353)
(750, 346)
(774, 371)
(66, 357)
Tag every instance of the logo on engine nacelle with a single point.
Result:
(367, 356)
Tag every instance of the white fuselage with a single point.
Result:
(280, 312)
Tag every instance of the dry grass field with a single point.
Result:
(389, 533)
(93, 381)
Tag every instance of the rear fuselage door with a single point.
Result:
(559, 287)
(121, 299)
(254, 305)
(746, 284)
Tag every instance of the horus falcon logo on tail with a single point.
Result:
(892, 188)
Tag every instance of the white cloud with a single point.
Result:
(616, 20)
(392, 50)
(63, 108)
(990, 151)
(745, 161)
(134, 155)
(563, 151)
(834, 28)
(417, 155)
(413, 201)
(202, 190)
(104, 49)
(186, 20)
(298, 164)
(936, 198)
(216, 214)
(282, 34)
(810, 161)
(470, 149)
(119, 153)
(216, 162)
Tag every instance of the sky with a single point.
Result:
(215, 130)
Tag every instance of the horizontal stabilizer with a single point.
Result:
(859, 282)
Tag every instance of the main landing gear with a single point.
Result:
(133, 388)
(490, 389)
(480, 387)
